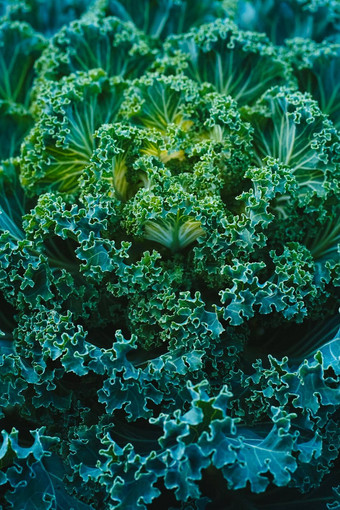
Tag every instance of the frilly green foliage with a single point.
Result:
(316, 67)
(20, 46)
(242, 64)
(169, 254)
(61, 143)
(114, 46)
(44, 16)
(284, 19)
(159, 18)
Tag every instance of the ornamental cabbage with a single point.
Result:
(169, 254)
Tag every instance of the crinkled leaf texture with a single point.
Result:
(169, 254)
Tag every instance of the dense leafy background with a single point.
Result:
(169, 262)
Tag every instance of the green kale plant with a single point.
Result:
(169, 254)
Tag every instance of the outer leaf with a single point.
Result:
(290, 127)
(17, 66)
(280, 20)
(158, 18)
(61, 143)
(116, 47)
(45, 16)
(40, 486)
(316, 67)
(241, 64)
